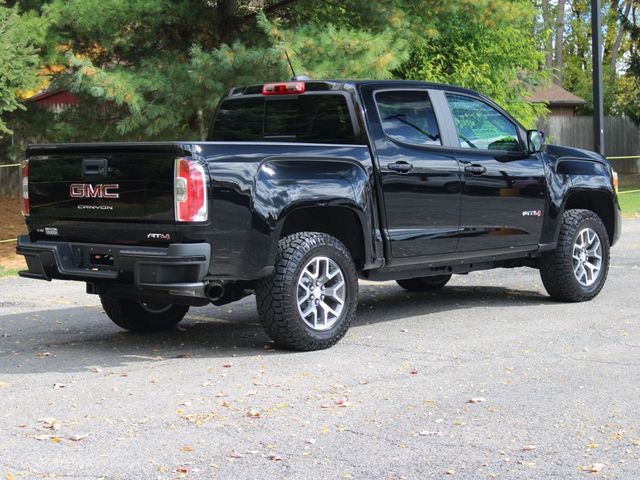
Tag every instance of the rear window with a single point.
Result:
(305, 118)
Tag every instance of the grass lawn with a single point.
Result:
(629, 202)
(9, 272)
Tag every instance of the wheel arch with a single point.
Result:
(342, 222)
(600, 202)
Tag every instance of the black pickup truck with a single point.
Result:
(305, 186)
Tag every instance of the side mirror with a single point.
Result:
(535, 141)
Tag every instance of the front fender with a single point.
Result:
(572, 175)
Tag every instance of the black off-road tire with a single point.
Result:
(556, 266)
(424, 284)
(132, 315)
(276, 295)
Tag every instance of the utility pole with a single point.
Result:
(598, 98)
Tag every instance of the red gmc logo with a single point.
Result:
(86, 190)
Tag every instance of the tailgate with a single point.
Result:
(103, 182)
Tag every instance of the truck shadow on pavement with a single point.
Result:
(80, 338)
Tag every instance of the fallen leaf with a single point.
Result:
(96, 370)
(234, 454)
(363, 382)
(274, 457)
(77, 438)
(528, 448)
(477, 400)
(51, 423)
(43, 354)
(184, 470)
(426, 433)
(451, 471)
(636, 442)
(186, 448)
(43, 437)
(4, 384)
(253, 413)
(414, 371)
(404, 330)
(11, 476)
(592, 445)
(310, 441)
(593, 468)
(227, 365)
(59, 386)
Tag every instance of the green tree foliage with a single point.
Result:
(19, 61)
(484, 45)
(155, 69)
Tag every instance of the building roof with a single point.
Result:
(556, 95)
(55, 97)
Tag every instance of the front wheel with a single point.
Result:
(577, 269)
(309, 301)
(142, 317)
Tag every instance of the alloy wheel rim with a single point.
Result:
(321, 293)
(587, 257)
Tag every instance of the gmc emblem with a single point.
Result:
(86, 190)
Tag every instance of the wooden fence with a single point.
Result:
(621, 138)
(9, 181)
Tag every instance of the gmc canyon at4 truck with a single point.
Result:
(305, 186)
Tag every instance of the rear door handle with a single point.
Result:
(475, 169)
(402, 167)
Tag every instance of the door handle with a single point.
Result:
(475, 169)
(402, 167)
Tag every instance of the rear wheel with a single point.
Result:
(310, 300)
(142, 317)
(577, 269)
(424, 284)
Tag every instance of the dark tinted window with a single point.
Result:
(408, 116)
(306, 118)
(481, 126)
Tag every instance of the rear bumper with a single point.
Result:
(178, 269)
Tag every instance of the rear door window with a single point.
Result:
(305, 118)
(408, 116)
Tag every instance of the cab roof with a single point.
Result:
(328, 85)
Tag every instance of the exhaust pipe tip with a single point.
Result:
(214, 291)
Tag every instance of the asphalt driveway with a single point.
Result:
(486, 379)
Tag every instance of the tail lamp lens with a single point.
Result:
(25, 206)
(615, 181)
(284, 88)
(190, 191)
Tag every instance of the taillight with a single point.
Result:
(285, 88)
(615, 181)
(190, 191)
(25, 206)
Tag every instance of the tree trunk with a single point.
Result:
(548, 30)
(560, 41)
(616, 46)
